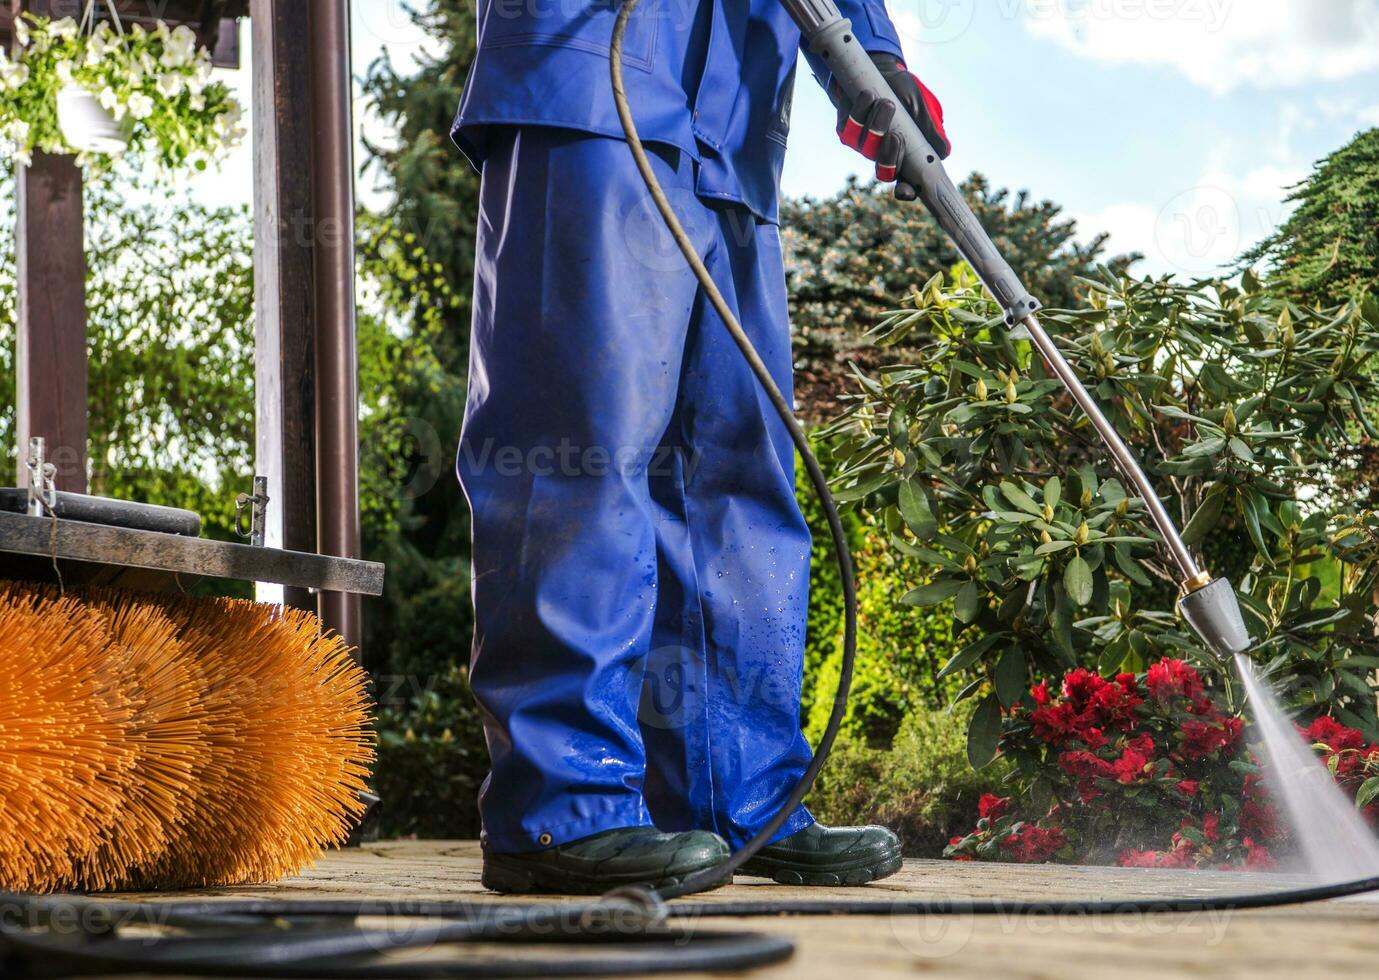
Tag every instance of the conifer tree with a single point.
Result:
(1328, 249)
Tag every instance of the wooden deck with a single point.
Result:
(1331, 939)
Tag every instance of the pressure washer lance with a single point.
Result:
(1208, 604)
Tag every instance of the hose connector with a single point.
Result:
(1213, 611)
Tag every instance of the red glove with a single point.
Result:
(864, 123)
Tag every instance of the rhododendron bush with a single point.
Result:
(1246, 411)
(1145, 770)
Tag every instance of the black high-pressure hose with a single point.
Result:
(636, 929)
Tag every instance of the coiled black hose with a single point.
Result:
(635, 931)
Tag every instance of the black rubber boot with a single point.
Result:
(820, 855)
(594, 865)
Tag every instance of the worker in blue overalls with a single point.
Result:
(641, 566)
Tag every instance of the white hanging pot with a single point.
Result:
(87, 125)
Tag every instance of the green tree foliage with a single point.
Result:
(170, 323)
(853, 256)
(434, 190)
(419, 251)
(1238, 403)
(1329, 247)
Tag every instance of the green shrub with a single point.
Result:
(922, 787)
(431, 759)
(900, 650)
(825, 621)
(1241, 407)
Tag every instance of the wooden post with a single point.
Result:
(51, 343)
(284, 348)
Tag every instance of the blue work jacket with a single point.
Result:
(714, 78)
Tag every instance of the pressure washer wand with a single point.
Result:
(1209, 605)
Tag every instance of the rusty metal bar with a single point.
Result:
(337, 400)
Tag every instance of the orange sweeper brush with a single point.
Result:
(148, 741)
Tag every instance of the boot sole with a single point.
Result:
(784, 872)
(519, 878)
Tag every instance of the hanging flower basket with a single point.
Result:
(104, 92)
(88, 126)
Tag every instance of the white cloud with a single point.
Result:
(1199, 230)
(1349, 112)
(1218, 44)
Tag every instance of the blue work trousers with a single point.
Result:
(641, 565)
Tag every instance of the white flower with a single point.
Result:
(21, 33)
(200, 78)
(180, 47)
(23, 157)
(14, 74)
(171, 85)
(64, 29)
(108, 99)
(140, 106)
(64, 72)
(197, 102)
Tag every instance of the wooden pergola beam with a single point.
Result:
(50, 345)
(213, 20)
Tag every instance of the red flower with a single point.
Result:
(1177, 858)
(1203, 738)
(1081, 685)
(1040, 693)
(1115, 705)
(1188, 787)
(1169, 679)
(1033, 845)
(1257, 856)
(1055, 723)
(1085, 765)
(1259, 819)
(1093, 737)
(1138, 859)
(1210, 827)
(1133, 765)
(1335, 736)
(1143, 744)
(991, 806)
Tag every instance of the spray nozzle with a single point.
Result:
(1213, 611)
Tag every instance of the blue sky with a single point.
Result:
(1173, 124)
